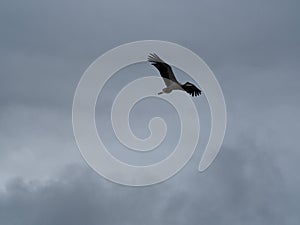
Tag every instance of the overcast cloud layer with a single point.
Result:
(253, 49)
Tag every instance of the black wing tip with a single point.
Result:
(196, 93)
(191, 89)
(152, 57)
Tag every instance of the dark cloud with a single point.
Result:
(244, 185)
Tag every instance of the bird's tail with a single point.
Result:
(159, 93)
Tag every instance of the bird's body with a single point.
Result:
(170, 88)
(169, 78)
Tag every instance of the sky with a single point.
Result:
(253, 48)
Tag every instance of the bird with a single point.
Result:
(169, 78)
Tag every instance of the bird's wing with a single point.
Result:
(164, 69)
(191, 89)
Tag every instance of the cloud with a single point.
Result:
(252, 47)
(244, 185)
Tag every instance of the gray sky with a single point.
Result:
(253, 49)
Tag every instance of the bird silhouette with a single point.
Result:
(169, 78)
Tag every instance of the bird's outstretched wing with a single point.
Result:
(164, 69)
(191, 89)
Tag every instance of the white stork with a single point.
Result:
(169, 78)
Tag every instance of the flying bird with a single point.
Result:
(169, 78)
